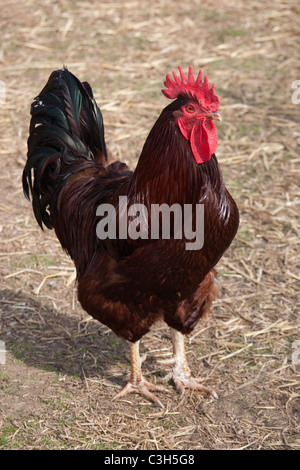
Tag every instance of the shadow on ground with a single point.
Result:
(44, 338)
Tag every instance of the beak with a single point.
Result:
(215, 116)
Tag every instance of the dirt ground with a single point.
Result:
(61, 369)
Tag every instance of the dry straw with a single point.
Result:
(62, 368)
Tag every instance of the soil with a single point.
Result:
(61, 369)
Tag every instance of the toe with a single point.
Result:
(143, 388)
(193, 384)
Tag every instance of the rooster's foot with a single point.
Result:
(137, 383)
(181, 374)
(192, 383)
(143, 388)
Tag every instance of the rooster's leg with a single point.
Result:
(181, 373)
(137, 382)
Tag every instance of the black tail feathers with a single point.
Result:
(66, 127)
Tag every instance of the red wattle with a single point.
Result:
(212, 135)
(199, 144)
(202, 137)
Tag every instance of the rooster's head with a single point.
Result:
(195, 117)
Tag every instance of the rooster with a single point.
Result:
(129, 283)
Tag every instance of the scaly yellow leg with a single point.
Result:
(181, 373)
(137, 382)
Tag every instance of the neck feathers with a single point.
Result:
(167, 171)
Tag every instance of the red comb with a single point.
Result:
(196, 87)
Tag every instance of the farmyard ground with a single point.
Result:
(63, 369)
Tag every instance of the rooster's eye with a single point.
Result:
(190, 108)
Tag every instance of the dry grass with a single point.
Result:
(62, 369)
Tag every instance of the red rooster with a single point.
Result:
(129, 283)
